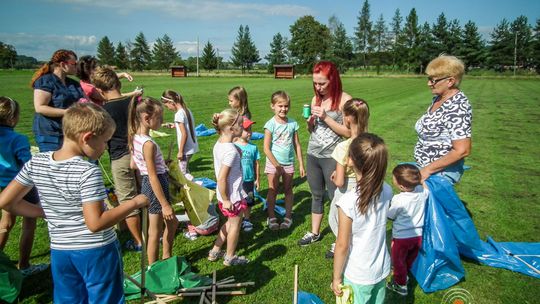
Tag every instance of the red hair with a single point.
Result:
(57, 57)
(330, 71)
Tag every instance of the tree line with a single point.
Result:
(402, 45)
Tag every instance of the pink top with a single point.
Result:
(89, 90)
(138, 158)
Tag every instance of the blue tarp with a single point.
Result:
(202, 130)
(450, 232)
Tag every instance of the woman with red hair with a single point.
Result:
(326, 127)
(54, 92)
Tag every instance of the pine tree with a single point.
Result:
(536, 47)
(411, 42)
(105, 51)
(473, 49)
(140, 53)
(364, 33)
(121, 58)
(425, 46)
(170, 55)
(380, 41)
(208, 58)
(310, 41)
(8, 55)
(454, 37)
(501, 49)
(341, 49)
(522, 33)
(440, 36)
(244, 52)
(397, 39)
(158, 58)
(277, 52)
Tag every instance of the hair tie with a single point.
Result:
(358, 102)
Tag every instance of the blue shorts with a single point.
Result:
(249, 188)
(88, 275)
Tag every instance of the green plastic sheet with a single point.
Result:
(166, 277)
(10, 279)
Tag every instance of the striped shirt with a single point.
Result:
(138, 156)
(64, 186)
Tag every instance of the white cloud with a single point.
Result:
(199, 10)
(42, 47)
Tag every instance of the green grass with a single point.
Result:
(501, 191)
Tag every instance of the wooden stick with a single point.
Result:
(218, 293)
(295, 295)
(226, 279)
(143, 251)
(193, 289)
(203, 296)
(214, 287)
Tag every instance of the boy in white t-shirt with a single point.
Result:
(407, 212)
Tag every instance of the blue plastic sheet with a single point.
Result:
(256, 136)
(450, 232)
(206, 182)
(308, 298)
(277, 209)
(202, 130)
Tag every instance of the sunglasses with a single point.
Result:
(435, 81)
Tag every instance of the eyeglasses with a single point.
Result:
(435, 81)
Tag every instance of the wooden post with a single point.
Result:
(295, 296)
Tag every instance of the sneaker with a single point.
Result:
(330, 253)
(33, 269)
(215, 255)
(399, 289)
(247, 225)
(235, 260)
(190, 236)
(132, 246)
(309, 238)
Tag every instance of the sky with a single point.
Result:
(38, 28)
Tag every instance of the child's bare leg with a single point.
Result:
(26, 241)
(289, 196)
(134, 226)
(6, 223)
(233, 233)
(221, 238)
(247, 213)
(273, 184)
(168, 237)
(155, 226)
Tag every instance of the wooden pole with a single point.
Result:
(295, 296)
(143, 251)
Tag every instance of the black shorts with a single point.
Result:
(32, 197)
(155, 207)
(249, 188)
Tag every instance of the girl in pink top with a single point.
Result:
(143, 116)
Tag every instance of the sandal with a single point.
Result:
(287, 222)
(215, 255)
(235, 260)
(272, 223)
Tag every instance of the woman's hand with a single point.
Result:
(336, 287)
(318, 112)
(425, 173)
(125, 75)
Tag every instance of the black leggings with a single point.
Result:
(319, 171)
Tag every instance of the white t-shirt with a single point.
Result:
(226, 154)
(407, 212)
(191, 146)
(64, 187)
(368, 262)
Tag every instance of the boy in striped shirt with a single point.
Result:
(85, 258)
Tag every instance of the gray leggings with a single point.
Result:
(319, 171)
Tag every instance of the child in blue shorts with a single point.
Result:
(250, 169)
(85, 257)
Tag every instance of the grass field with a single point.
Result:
(501, 190)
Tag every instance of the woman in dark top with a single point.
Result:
(54, 92)
(444, 130)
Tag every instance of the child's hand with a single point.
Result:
(257, 184)
(333, 176)
(141, 200)
(227, 205)
(302, 171)
(336, 287)
(168, 213)
(279, 170)
(180, 155)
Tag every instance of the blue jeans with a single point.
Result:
(48, 143)
(88, 275)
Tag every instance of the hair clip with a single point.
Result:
(358, 102)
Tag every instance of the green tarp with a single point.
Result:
(10, 279)
(166, 277)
